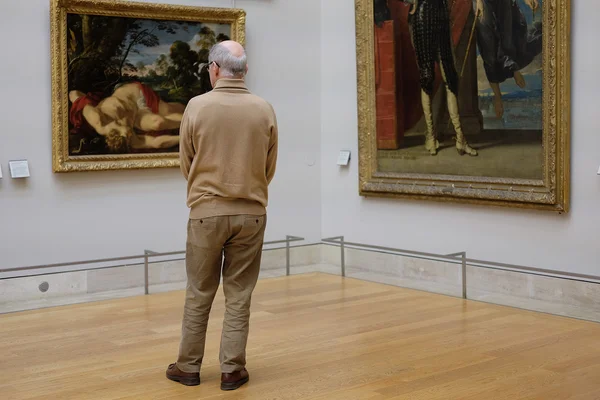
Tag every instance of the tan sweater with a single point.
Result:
(228, 151)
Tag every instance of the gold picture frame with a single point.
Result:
(551, 192)
(168, 20)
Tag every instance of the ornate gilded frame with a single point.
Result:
(550, 193)
(62, 161)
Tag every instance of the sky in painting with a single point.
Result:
(148, 55)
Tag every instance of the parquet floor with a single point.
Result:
(313, 336)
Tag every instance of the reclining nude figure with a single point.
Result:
(132, 105)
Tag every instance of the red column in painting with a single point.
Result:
(388, 114)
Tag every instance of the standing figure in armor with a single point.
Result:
(430, 21)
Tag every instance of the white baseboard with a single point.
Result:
(73, 287)
(551, 295)
(527, 291)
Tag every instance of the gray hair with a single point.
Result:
(229, 64)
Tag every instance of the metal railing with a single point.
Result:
(288, 240)
(148, 254)
(457, 258)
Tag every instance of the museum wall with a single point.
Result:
(541, 239)
(63, 217)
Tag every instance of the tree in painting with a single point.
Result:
(130, 80)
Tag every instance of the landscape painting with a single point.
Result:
(128, 79)
(467, 101)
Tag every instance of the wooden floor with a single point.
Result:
(312, 336)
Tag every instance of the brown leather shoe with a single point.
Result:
(234, 380)
(185, 378)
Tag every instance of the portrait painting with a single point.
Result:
(123, 73)
(465, 100)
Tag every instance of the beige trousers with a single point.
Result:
(231, 245)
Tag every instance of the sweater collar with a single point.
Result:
(230, 83)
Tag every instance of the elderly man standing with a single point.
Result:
(228, 152)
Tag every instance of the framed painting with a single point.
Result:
(465, 101)
(122, 75)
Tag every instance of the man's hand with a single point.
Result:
(412, 5)
(533, 4)
(479, 9)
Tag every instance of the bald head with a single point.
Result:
(236, 49)
(230, 58)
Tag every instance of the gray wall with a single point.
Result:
(55, 218)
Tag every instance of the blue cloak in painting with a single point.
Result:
(505, 42)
